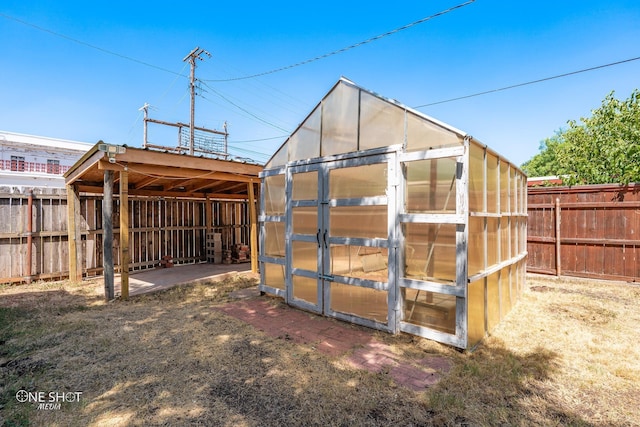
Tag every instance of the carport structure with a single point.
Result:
(198, 188)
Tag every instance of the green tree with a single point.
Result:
(545, 163)
(601, 149)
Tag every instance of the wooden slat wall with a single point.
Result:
(599, 231)
(158, 227)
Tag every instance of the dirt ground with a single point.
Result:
(567, 354)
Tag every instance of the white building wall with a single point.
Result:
(36, 151)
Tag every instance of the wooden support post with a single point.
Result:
(107, 235)
(208, 234)
(254, 231)
(73, 233)
(124, 234)
(558, 241)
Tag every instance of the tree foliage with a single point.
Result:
(601, 149)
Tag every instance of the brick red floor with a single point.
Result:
(356, 345)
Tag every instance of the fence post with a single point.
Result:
(74, 235)
(558, 241)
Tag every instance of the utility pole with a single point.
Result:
(191, 57)
(226, 138)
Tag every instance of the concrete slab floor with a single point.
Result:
(158, 279)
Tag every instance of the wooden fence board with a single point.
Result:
(159, 226)
(599, 233)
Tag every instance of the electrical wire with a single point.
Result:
(258, 140)
(486, 92)
(80, 42)
(243, 109)
(317, 58)
(344, 49)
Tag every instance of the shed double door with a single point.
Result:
(338, 250)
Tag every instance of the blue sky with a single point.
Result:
(56, 87)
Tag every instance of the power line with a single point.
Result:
(243, 109)
(344, 49)
(109, 52)
(317, 58)
(530, 82)
(258, 140)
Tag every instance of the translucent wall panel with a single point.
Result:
(475, 312)
(360, 261)
(305, 288)
(505, 254)
(274, 197)
(305, 220)
(278, 159)
(358, 221)
(431, 310)
(304, 255)
(274, 275)
(493, 300)
(381, 123)
(523, 271)
(513, 190)
(430, 252)
(424, 135)
(475, 244)
(476, 178)
(359, 181)
(431, 185)
(340, 121)
(505, 299)
(523, 194)
(492, 183)
(305, 186)
(305, 142)
(522, 235)
(274, 243)
(492, 241)
(363, 302)
(514, 237)
(504, 186)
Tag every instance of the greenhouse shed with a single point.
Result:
(377, 214)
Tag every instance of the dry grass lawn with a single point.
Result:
(567, 354)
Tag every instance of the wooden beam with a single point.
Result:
(157, 193)
(253, 230)
(160, 171)
(74, 236)
(201, 185)
(146, 181)
(107, 235)
(176, 183)
(124, 234)
(76, 173)
(157, 158)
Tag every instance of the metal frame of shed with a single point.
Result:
(379, 215)
(126, 171)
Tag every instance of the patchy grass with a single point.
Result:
(566, 355)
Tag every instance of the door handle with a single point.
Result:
(318, 237)
(324, 239)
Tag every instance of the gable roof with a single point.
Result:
(351, 118)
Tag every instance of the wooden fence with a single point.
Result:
(33, 226)
(585, 231)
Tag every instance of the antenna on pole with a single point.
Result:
(191, 58)
(145, 108)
